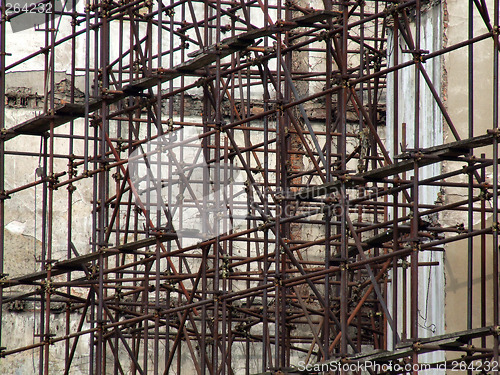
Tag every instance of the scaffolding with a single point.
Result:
(249, 208)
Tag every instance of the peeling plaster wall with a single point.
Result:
(23, 248)
(23, 326)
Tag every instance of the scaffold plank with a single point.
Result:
(435, 155)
